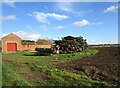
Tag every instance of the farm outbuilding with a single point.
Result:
(13, 43)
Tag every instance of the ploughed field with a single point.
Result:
(96, 67)
(102, 66)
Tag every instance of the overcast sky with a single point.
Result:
(95, 21)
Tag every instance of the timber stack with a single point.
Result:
(68, 44)
(44, 51)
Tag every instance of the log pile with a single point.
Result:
(69, 44)
(44, 51)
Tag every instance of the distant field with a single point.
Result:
(23, 69)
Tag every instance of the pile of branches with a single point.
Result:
(69, 44)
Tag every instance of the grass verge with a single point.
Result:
(77, 55)
(70, 57)
(11, 78)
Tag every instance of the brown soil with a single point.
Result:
(28, 74)
(102, 66)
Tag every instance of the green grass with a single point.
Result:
(40, 68)
(40, 64)
(11, 78)
(0, 73)
(19, 58)
(77, 55)
(58, 77)
(72, 56)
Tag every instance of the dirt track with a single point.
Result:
(103, 66)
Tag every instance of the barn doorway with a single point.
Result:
(11, 47)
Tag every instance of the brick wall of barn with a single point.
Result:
(32, 47)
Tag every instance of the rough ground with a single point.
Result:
(26, 72)
(103, 66)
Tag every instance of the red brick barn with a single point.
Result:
(11, 43)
